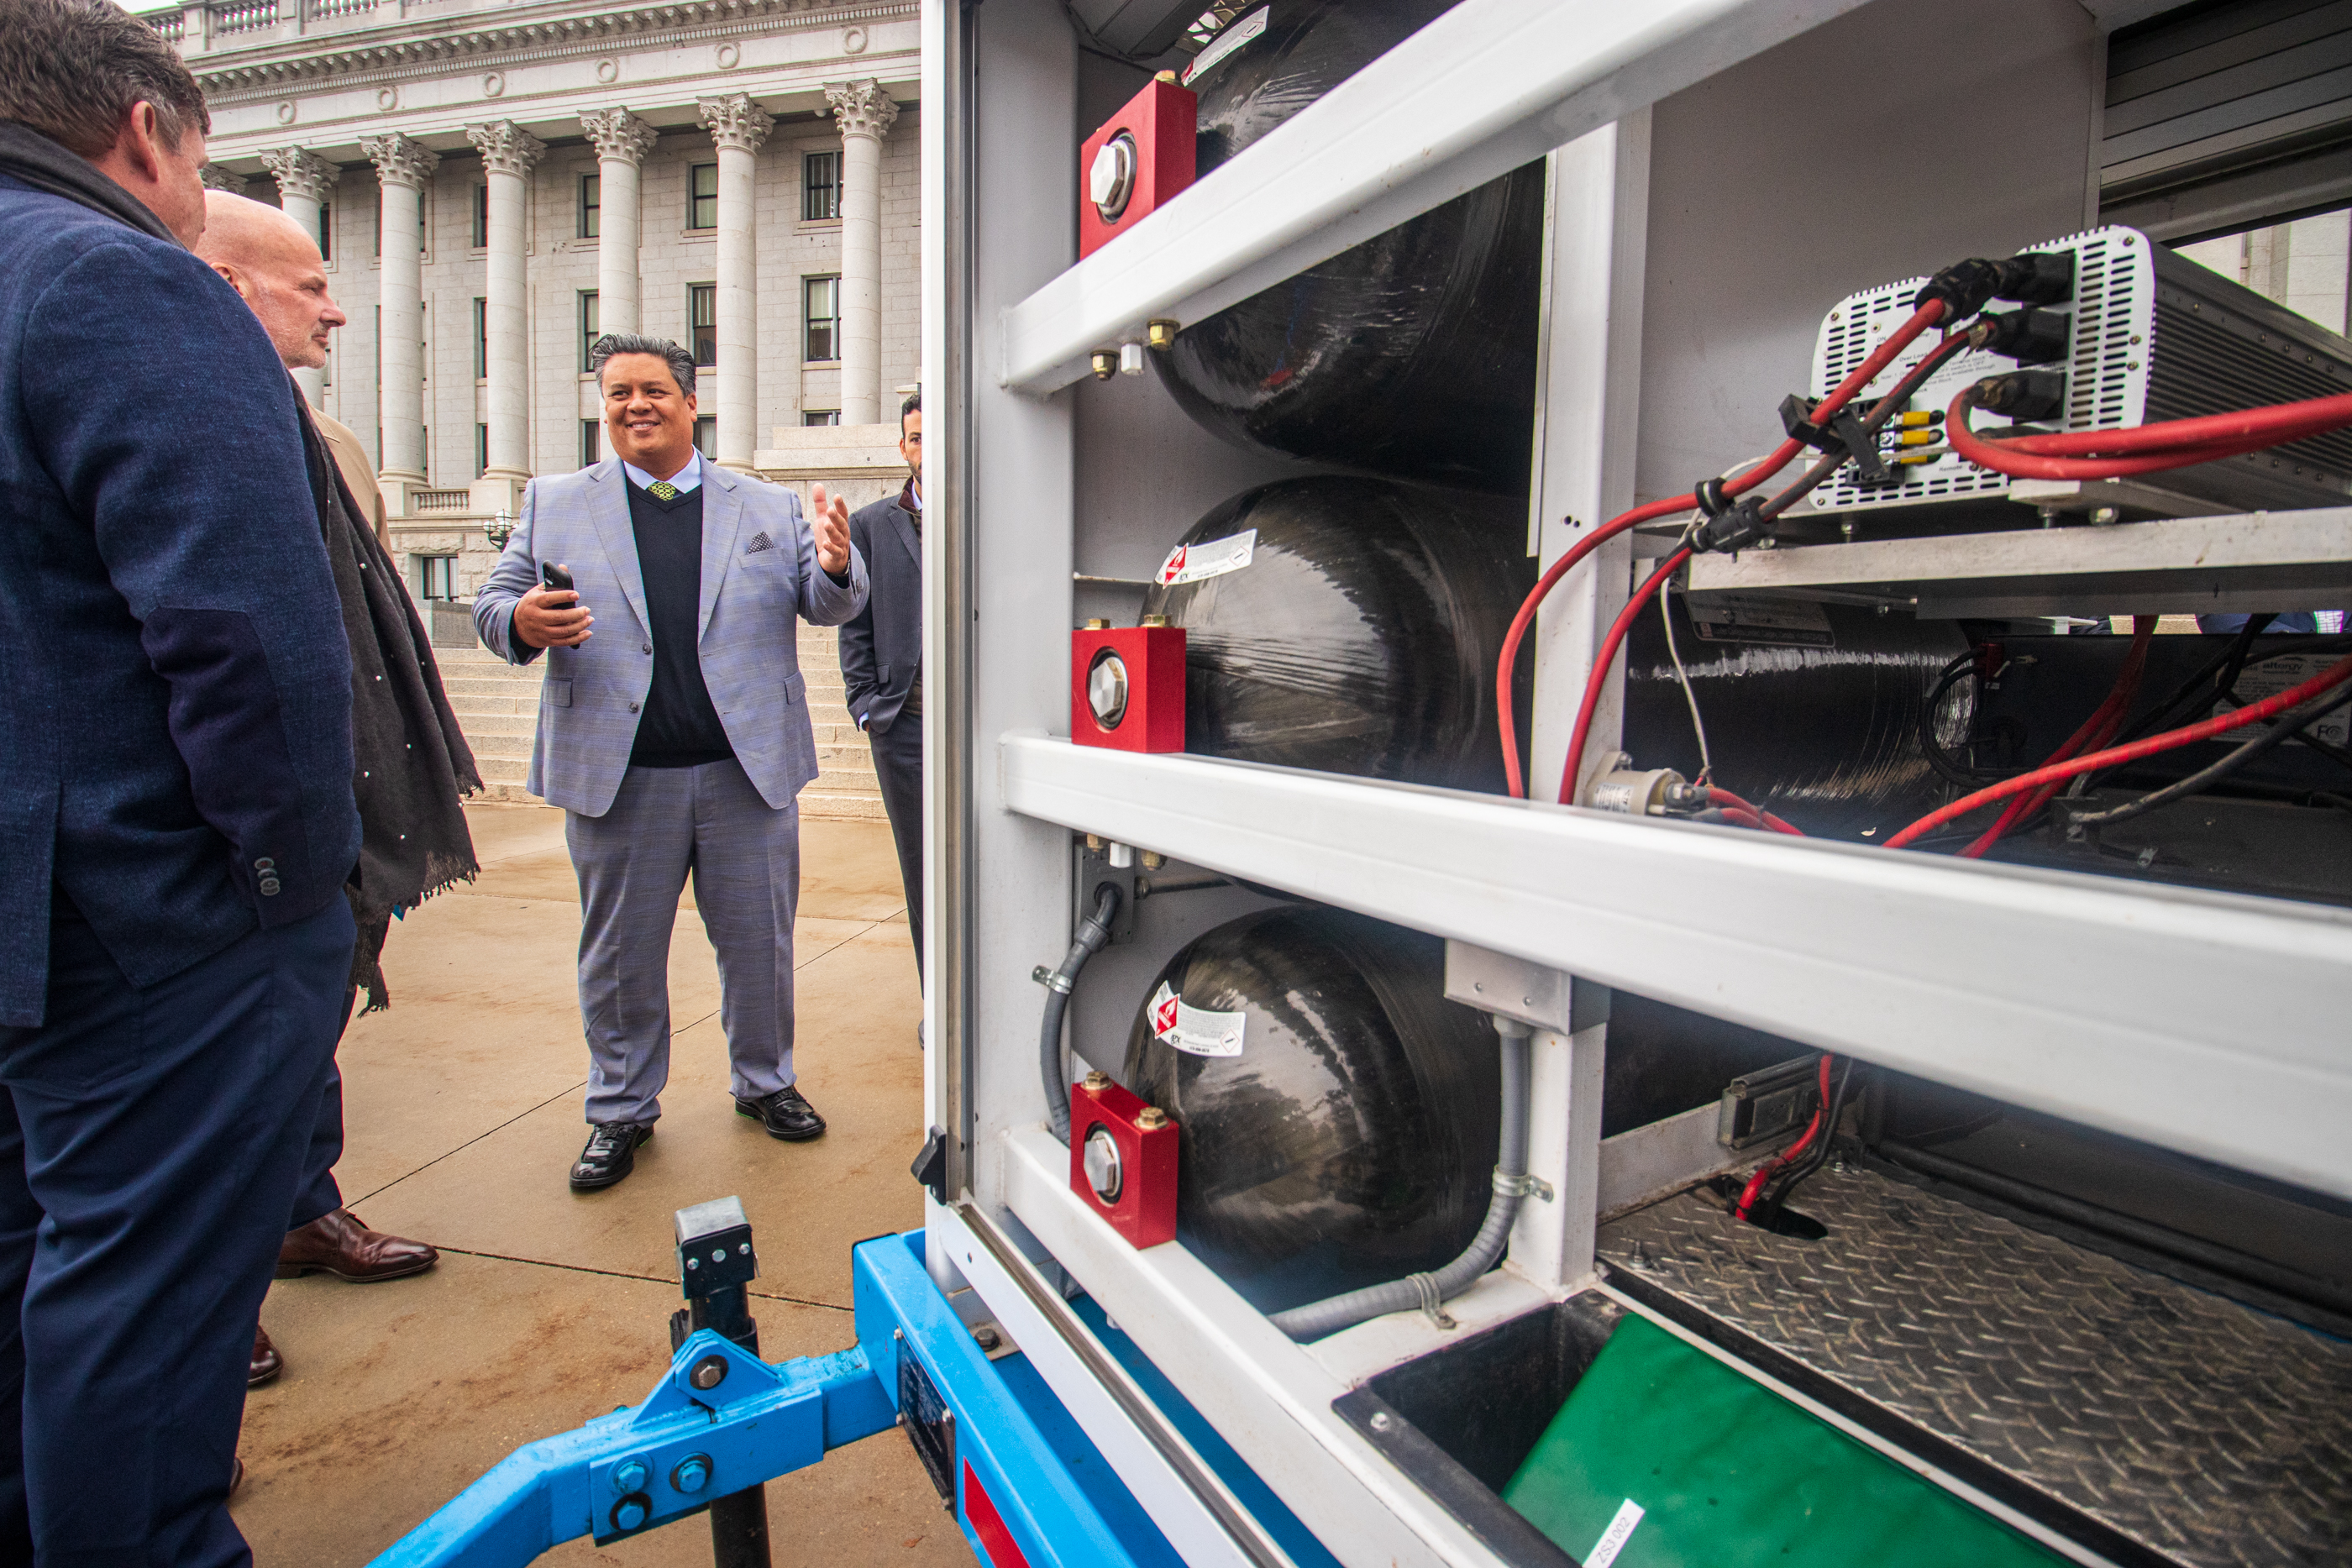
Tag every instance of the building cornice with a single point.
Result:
(258, 70)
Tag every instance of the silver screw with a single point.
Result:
(1382, 1422)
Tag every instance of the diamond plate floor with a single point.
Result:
(2215, 1436)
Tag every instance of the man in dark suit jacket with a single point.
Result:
(176, 818)
(882, 657)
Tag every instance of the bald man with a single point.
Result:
(413, 764)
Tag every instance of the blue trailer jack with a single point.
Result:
(1029, 1490)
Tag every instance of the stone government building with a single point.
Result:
(741, 175)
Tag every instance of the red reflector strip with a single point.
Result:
(987, 1524)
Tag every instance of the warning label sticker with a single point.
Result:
(1743, 617)
(2273, 677)
(1232, 38)
(1195, 1029)
(1210, 558)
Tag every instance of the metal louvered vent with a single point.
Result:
(2106, 385)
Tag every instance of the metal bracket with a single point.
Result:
(1092, 868)
(1546, 998)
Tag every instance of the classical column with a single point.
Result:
(737, 126)
(507, 153)
(622, 142)
(216, 178)
(304, 180)
(865, 113)
(402, 167)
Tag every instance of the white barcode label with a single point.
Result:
(1612, 1539)
(1195, 1029)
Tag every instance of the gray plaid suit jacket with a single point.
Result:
(760, 579)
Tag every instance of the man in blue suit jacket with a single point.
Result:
(176, 821)
(678, 736)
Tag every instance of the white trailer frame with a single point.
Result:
(2203, 1022)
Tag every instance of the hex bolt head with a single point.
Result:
(1151, 1116)
(1383, 1421)
(630, 1513)
(692, 1474)
(708, 1372)
(986, 1336)
(630, 1475)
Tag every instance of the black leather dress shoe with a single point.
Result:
(611, 1154)
(785, 1114)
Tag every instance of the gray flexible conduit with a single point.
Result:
(1092, 935)
(1428, 1291)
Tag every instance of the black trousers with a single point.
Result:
(898, 765)
(152, 1141)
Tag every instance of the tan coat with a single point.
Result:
(358, 473)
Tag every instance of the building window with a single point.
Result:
(588, 333)
(705, 436)
(326, 232)
(481, 450)
(592, 205)
(591, 442)
(436, 576)
(481, 218)
(702, 322)
(821, 299)
(812, 416)
(820, 187)
(702, 196)
(481, 339)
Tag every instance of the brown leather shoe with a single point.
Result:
(348, 1249)
(266, 1362)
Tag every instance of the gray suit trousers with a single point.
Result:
(632, 864)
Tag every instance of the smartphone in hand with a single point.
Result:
(557, 579)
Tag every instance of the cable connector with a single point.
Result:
(2032, 277)
(1843, 433)
(2030, 337)
(1741, 524)
(2021, 394)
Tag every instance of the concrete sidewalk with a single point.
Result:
(463, 1104)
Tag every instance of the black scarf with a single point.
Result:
(32, 157)
(411, 763)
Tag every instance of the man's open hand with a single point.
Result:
(551, 617)
(829, 521)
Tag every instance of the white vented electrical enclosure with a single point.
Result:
(1731, 186)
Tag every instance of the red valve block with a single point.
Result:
(1127, 687)
(1140, 158)
(1123, 1160)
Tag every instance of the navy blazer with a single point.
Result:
(175, 734)
(882, 644)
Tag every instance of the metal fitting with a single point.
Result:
(1161, 334)
(1104, 363)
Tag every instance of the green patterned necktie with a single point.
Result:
(662, 490)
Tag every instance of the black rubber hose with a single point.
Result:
(1093, 934)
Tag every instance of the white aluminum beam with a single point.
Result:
(2183, 566)
(1490, 85)
(2206, 1023)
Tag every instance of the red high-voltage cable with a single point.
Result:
(1764, 818)
(2095, 732)
(2335, 675)
(2273, 424)
(1598, 682)
(1924, 317)
(2019, 456)
(1787, 1156)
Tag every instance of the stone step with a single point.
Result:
(525, 703)
(477, 724)
(818, 801)
(502, 770)
(463, 686)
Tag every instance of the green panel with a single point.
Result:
(1731, 1474)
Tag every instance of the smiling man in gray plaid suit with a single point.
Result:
(678, 738)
